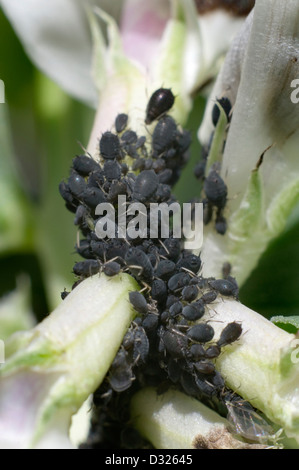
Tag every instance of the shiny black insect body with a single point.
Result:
(146, 185)
(190, 262)
(129, 137)
(159, 103)
(189, 293)
(141, 346)
(209, 296)
(194, 311)
(224, 287)
(165, 269)
(112, 170)
(215, 189)
(84, 165)
(77, 184)
(201, 333)
(220, 224)
(230, 333)
(204, 367)
(178, 281)
(86, 268)
(138, 301)
(164, 135)
(212, 351)
(121, 122)
(139, 264)
(111, 268)
(110, 146)
(175, 309)
(120, 374)
(174, 343)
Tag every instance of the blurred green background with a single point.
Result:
(41, 129)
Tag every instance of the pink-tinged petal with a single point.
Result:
(142, 26)
(21, 395)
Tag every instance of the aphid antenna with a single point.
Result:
(165, 248)
(83, 148)
(179, 333)
(192, 274)
(211, 309)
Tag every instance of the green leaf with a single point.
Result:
(290, 324)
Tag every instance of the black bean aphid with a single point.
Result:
(194, 311)
(121, 122)
(226, 105)
(164, 135)
(111, 268)
(138, 301)
(199, 170)
(120, 374)
(209, 297)
(224, 287)
(178, 281)
(139, 264)
(171, 248)
(174, 343)
(205, 388)
(76, 184)
(64, 294)
(86, 268)
(165, 269)
(204, 367)
(212, 351)
(112, 170)
(146, 185)
(197, 351)
(231, 332)
(189, 293)
(175, 309)
(159, 103)
(129, 137)
(85, 165)
(109, 146)
(215, 189)
(93, 196)
(190, 262)
(201, 333)
(220, 225)
(141, 346)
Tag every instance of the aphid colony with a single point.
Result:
(214, 188)
(169, 343)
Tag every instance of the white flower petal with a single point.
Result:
(56, 37)
(257, 78)
(52, 369)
